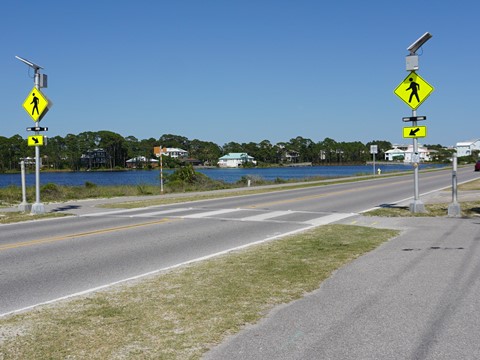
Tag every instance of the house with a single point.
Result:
(94, 158)
(290, 156)
(395, 154)
(234, 160)
(140, 162)
(406, 154)
(466, 148)
(172, 152)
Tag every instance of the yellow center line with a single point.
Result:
(78, 235)
(310, 197)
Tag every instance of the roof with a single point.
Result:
(236, 156)
(395, 151)
(467, 142)
(141, 159)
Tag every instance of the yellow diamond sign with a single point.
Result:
(413, 90)
(36, 104)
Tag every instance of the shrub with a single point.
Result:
(90, 185)
(143, 189)
(51, 191)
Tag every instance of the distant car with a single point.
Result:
(477, 166)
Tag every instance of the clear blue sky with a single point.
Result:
(241, 71)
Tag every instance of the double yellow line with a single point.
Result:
(79, 235)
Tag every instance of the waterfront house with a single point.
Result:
(141, 162)
(172, 152)
(95, 158)
(466, 148)
(406, 154)
(395, 154)
(234, 160)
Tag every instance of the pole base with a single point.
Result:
(37, 209)
(454, 210)
(417, 207)
(24, 207)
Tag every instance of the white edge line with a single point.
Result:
(154, 272)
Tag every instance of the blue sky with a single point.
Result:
(241, 71)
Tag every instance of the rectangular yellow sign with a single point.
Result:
(415, 132)
(35, 140)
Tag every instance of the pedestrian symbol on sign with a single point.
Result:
(35, 104)
(414, 87)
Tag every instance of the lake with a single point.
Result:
(137, 177)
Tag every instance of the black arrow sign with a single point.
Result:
(35, 140)
(414, 132)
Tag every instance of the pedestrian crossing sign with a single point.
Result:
(36, 104)
(413, 90)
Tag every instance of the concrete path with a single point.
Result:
(415, 297)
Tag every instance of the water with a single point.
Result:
(137, 177)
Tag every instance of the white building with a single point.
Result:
(140, 161)
(465, 148)
(172, 152)
(407, 154)
(395, 154)
(234, 160)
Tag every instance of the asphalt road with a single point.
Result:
(42, 261)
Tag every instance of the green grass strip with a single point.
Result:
(182, 313)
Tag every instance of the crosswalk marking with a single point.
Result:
(210, 213)
(260, 215)
(162, 212)
(265, 216)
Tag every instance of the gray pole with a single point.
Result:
(37, 207)
(373, 164)
(417, 205)
(161, 170)
(24, 206)
(454, 209)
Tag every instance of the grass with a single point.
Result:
(468, 208)
(17, 216)
(183, 313)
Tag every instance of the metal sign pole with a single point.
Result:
(161, 170)
(41, 105)
(417, 205)
(454, 209)
(37, 207)
(24, 205)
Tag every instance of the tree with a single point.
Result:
(266, 152)
(55, 153)
(72, 152)
(327, 150)
(206, 152)
(232, 147)
(114, 145)
(174, 141)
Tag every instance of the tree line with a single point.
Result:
(65, 153)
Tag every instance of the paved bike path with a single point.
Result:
(415, 297)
